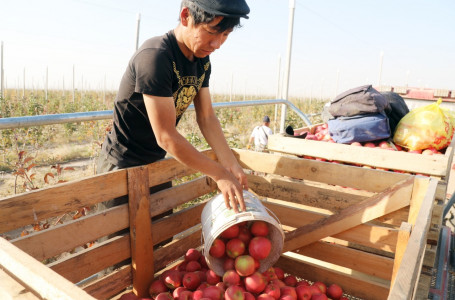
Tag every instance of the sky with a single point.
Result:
(336, 45)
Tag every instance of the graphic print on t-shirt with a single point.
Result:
(187, 90)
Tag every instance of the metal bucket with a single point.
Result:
(216, 218)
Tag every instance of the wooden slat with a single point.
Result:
(368, 235)
(168, 199)
(177, 222)
(336, 174)
(111, 284)
(403, 239)
(61, 238)
(304, 192)
(368, 263)
(92, 260)
(140, 230)
(394, 198)
(36, 276)
(407, 274)
(353, 283)
(397, 160)
(25, 209)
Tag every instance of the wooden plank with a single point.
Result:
(407, 274)
(393, 198)
(353, 283)
(336, 174)
(25, 209)
(81, 265)
(176, 249)
(365, 234)
(168, 199)
(11, 289)
(177, 222)
(304, 192)
(110, 284)
(36, 276)
(403, 239)
(140, 230)
(397, 160)
(368, 263)
(61, 238)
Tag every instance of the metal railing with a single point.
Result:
(20, 122)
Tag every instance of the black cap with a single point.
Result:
(266, 119)
(226, 8)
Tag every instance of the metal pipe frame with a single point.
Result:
(20, 122)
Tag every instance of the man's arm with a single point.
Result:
(161, 113)
(211, 129)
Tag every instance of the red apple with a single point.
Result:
(213, 292)
(157, 286)
(255, 283)
(172, 279)
(260, 247)
(334, 291)
(273, 290)
(279, 273)
(235, 247)
(164, 296)
(321, 286)
(248, 296)
(230, 277)
(191, 280)
(245, 235)
(234, 292)
(192, 266)
(192, 254)
(288, 290)
(244, 265)
(319, 297)
(265, 297)
(303, 292)
(217, 249)
(228, 264)
(259, 228)
(290, 280)
(211, 277)
(231, 232)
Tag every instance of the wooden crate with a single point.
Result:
(363, 229)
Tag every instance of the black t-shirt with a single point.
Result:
(158, 68)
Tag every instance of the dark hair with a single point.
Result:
(200, 16)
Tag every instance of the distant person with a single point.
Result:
(165, 75)
(260, 135)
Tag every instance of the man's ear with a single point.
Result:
(184, 16)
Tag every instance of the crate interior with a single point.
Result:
(301, 193)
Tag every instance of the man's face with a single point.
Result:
(203, 39)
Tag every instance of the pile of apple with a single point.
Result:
(241, 248)
(321, 133)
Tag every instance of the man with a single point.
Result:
(260, 135)
(163, 77)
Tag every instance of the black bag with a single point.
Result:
(398, 109)
(357, 101)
